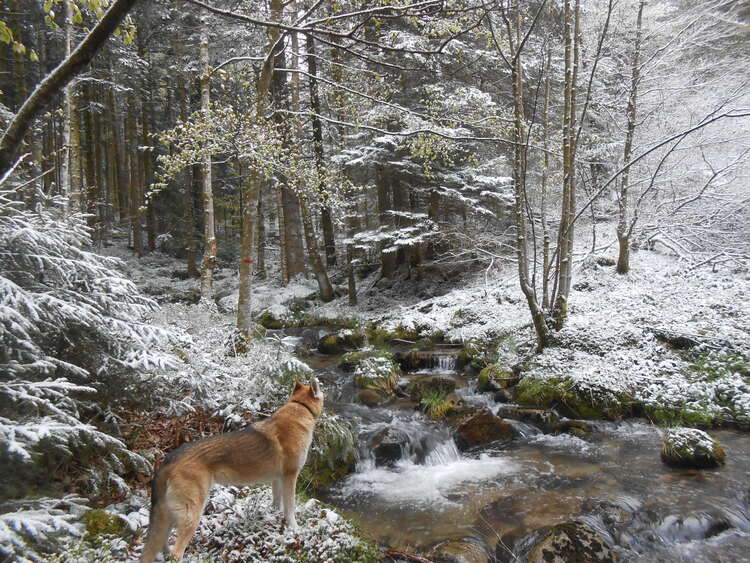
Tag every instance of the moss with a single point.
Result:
(99, 522)
(267, 320)
(182, 354)
(674, 416)
(333, 454)
(472, 358)
(494, 376)
(563, 395)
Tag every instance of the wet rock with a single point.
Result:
(503, 396)
(459, 551)
(612, 512)
(371, 397)
(568, 542)
(577, 428)
(690, 447)
(388, 446)
(483, 428)
(310, 337)
(693, 527)
(544, 419)
(431, 384)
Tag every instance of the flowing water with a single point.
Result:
(493, 496)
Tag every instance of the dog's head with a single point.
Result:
(311, 395)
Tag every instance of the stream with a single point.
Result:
(494, 496)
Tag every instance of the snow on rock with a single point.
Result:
(689, 447)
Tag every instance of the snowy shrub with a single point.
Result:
(215, 377)
(38, 520)
(248, 529)
(72, 343)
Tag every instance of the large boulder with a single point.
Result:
(568, 542)
(388, 445)
(545, 419)
(483, 428)
(690, 447)
(574, 400)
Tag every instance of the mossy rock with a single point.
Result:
(430, 385)
(371, 397)
(351, 360)
(99, 522)
(470, 359)
(338, 342)
(571, 541)
(483, 428)
(691, 448)
(332, 455)
(377, 335)
(268, 320)
(494, 377)
(376, 371)
(677, 416)
(565, 397)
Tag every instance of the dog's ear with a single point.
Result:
(315, 386)
(297, 384)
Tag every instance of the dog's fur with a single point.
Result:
(271, 451)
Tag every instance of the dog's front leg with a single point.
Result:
(277, 497)
(288, 487)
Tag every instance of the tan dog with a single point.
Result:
(271, 451)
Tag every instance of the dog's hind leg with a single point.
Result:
(288, 486)
(276, 488)
(158, 533)
(187, 509)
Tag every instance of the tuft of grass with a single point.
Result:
(435, 404)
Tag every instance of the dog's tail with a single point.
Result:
(159, 521)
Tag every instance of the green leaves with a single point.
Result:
(6, 35)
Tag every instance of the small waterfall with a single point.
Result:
(443, 454)
(439, 362)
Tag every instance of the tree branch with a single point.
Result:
(57, 79)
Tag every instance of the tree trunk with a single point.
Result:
(261, 237)
(566, 233)
(249, 209)
(123, 204)
(209, 239)
(623, 237)
(387, 259)
(317, 128)
(520, 192)
(321, 275)
(135, 196)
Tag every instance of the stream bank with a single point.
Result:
(415, 491)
